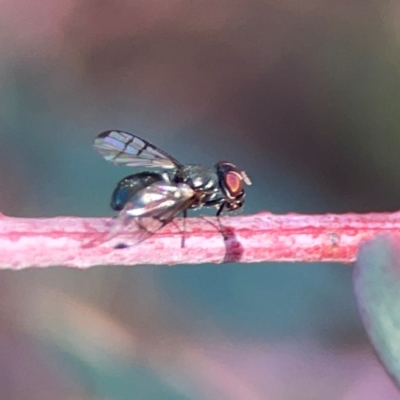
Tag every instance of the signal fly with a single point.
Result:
(151, 200)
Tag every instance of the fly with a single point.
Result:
(151, 200)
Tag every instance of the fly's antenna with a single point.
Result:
(246, 179)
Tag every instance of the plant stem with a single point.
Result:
(80, 242)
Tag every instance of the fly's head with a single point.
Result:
(231, 183)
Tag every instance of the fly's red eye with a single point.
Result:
(233, 183)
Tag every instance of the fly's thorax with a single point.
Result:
(202, 181)
(198, 177)
(183, 191)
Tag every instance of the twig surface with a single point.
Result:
(80, 242)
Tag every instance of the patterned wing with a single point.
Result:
(123, 148)
(149, 210)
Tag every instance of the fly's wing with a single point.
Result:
(149, 210)
(123, 148)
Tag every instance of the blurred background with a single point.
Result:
(304, 96)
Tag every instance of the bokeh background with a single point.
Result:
(303, 95)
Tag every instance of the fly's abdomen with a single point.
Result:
(130, 185)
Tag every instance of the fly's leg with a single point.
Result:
(221, 228)
(220, 209)
(184, 229)
(140, 227)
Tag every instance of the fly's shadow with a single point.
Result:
(233, 248)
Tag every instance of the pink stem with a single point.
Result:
(80, 242)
